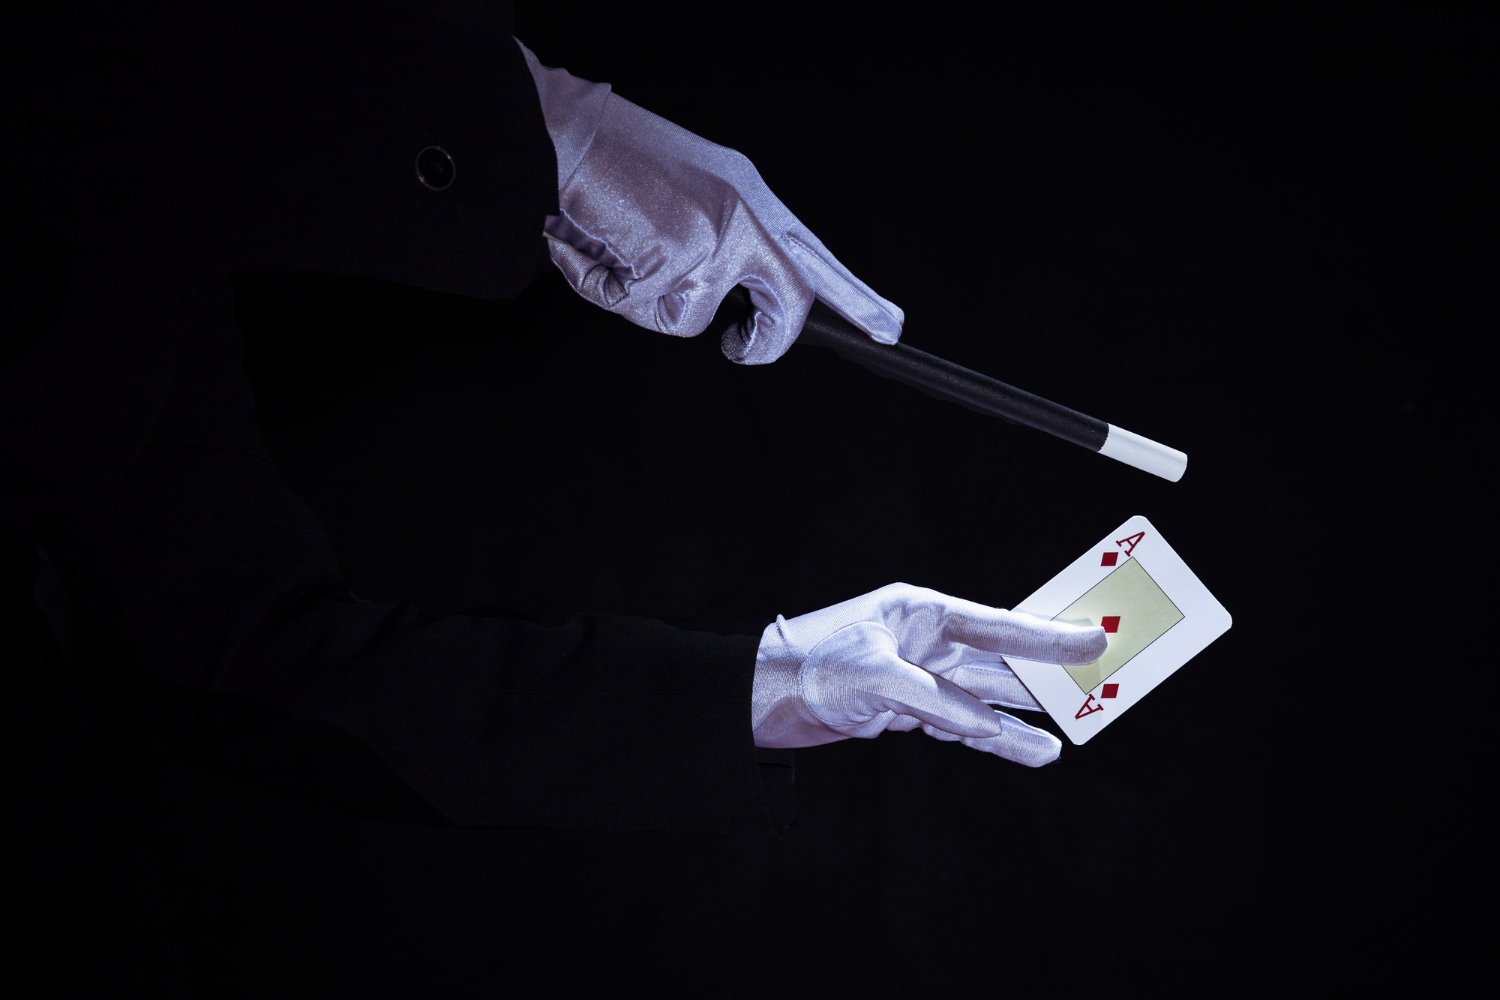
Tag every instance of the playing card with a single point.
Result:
(1156, 615)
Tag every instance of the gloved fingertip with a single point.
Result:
(734, 343)
(1021, 743)
(884, 329)
(754, 341)
(851, 298)
(1035, 751)
(1044, 760)
(881, 324)
(1083, 646)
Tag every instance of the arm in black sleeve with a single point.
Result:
(204, 568)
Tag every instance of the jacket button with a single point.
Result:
(434, 168)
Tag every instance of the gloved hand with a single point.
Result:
(659, 225)
(902, 657)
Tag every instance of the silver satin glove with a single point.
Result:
(659, 225)
(902, 657)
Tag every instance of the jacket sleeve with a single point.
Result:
(280, 136)
(217, 584)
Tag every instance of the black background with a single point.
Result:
(1253, 236)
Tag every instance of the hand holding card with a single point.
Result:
(903, 657)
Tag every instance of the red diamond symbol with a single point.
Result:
(1110, 558)
(1109, 691)
(1111, 623)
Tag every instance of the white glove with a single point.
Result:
(659, 225)
(903, 657)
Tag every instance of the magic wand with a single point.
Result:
(956, 384)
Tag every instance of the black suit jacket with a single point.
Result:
(159, 151)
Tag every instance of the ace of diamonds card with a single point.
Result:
(1156, 615)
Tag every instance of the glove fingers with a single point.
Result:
(993, 683)
(938, 703)
(856, 682)
(843, 292)
(926, 619)
(589, 278)
(1018, 742)
(1014, 633)
(776, 316)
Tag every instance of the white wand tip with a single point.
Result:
(1144, 453)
